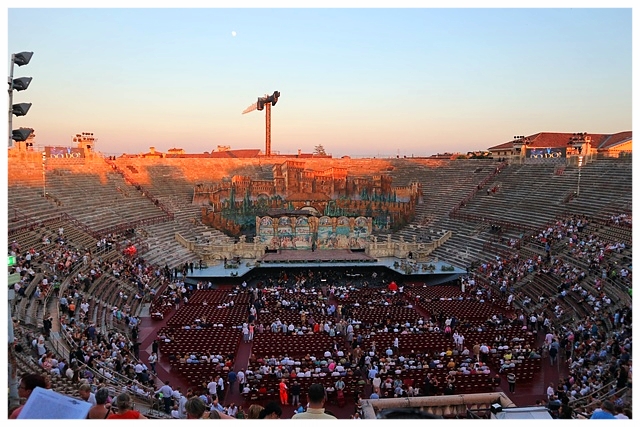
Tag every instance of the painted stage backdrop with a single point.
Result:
(233, 205)
(304, 232)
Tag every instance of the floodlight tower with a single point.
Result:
(19, 84)
(265, 102)
(578, 141)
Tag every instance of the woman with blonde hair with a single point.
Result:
(254, 411)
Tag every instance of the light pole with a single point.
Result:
(21, 83)
(578, 141)
(44, 176)
(21, 134)
(579, 170)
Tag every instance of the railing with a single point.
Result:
(595, 396)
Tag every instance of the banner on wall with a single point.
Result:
(546, 153)
(64, 152)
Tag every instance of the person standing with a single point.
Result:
(232, 377)
(245, 332)
(241, 380)
(316, 397)
(484, 353)
(153, 358)
(167, 393)
(220, 391)
(553, 351)
(295, 394)
(284, 392)
(251, 331)
(212, 386)
(511, 379)
(476, 351)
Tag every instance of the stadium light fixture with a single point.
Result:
(21, 109)
(518, 142)
(19, 84)
(21, 134)
(578, 140)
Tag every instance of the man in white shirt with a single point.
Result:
(550, 391)
(86, 394)
(241, 380)
(153, 358)
(484, 353)
(220, 388)
(232, 410)
(212, 386)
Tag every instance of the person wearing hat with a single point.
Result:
(124, 409)
(316, 397)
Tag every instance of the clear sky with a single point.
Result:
(361, 82)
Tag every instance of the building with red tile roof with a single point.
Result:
(607, 144)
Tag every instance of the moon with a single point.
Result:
(233, 33)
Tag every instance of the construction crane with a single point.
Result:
(265, 101)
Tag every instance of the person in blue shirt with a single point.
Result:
(606, 412)
(215, 405)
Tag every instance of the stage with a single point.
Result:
(432, 272)
(317, 256)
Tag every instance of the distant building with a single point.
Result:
(559, 144)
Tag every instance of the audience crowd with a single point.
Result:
(362, 318)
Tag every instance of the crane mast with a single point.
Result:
(265, 103)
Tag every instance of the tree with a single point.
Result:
(319, 150)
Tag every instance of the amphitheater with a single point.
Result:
(472, 214)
